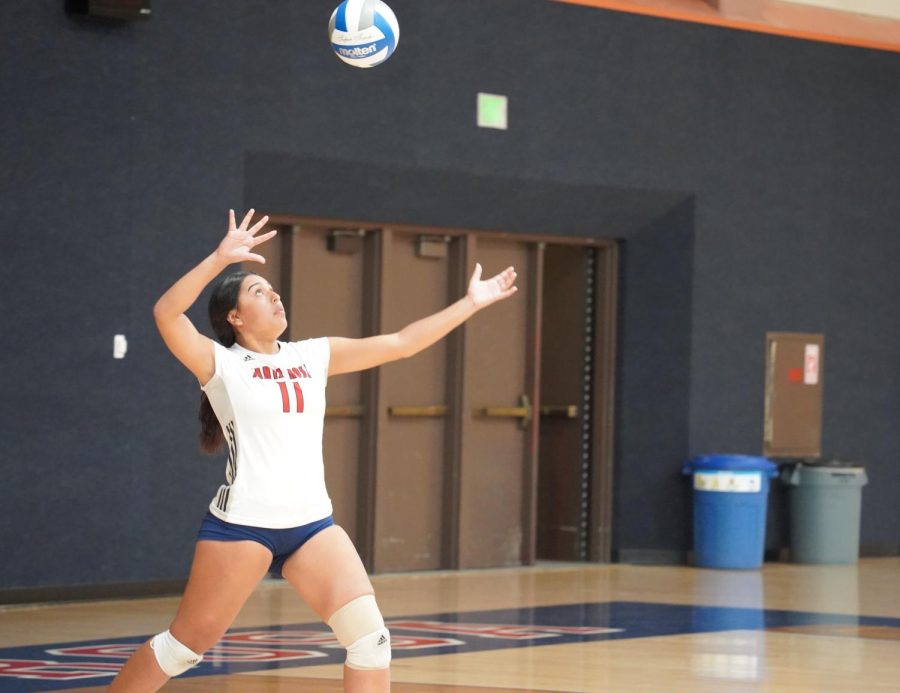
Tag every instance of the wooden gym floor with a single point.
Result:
(554, 627)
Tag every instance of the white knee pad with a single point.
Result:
(372, 651)
(173, 657)
(359, 627)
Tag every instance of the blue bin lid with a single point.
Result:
(730, 463)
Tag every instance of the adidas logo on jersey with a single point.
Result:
(382, 640)
(248, 358)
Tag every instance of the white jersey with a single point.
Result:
(272, 409)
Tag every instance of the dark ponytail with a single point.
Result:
(222, 300)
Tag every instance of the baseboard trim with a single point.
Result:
(879, 550)
(650, 557)
(73, 593)
(781, 555)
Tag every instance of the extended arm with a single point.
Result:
(184, 341)
(349, 355)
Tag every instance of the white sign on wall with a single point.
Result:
(811, 365)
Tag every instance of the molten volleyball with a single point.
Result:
(363, 33)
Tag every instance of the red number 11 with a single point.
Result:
(286, 398)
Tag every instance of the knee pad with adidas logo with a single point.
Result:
(359, 627)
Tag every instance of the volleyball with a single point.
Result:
(363, 33)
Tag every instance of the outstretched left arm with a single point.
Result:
(350, 355)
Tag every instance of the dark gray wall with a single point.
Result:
(652, 501)
(754, 180)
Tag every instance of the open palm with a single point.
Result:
(484, 292)
(240, 240)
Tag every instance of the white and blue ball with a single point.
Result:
(363, 33)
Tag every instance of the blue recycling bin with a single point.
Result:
(731, 493)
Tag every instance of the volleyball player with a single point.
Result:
(264, 401)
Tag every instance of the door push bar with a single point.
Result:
(432, 410)
(564, 411)
(522, 412)
(351, 410)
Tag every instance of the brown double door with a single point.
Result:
(436, 461)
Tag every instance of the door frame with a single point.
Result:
(605, 299)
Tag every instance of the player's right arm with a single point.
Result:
(185, 342)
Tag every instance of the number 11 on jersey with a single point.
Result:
(286, 397)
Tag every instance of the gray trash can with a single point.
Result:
(825, 508)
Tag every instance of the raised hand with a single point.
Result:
(484, 292)
(240, 240)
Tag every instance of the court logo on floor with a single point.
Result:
(69, 665)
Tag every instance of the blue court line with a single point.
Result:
(93, 663)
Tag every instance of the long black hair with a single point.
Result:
(222, 301)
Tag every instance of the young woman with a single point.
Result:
(265, 401)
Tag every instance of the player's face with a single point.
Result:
(259, 309)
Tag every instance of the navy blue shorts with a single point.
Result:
(281, 542)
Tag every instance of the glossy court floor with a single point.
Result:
(548, 628)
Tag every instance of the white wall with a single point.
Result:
(877, 8)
